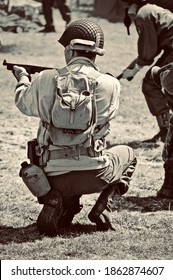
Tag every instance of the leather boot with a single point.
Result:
(168, 145)
(72, 208)
(101, 216)
(53, 209)
(48, 29)
(163, 123)
(166, 190)
(101, 211)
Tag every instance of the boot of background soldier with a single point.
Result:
(68, 19)
(101, 213)
(48, 29)
(166, 190)
(163, 123)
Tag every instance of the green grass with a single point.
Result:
(143, 224)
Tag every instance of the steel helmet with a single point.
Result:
(83, 35)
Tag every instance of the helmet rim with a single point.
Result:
(83, 30)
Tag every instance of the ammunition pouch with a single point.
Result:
(31, 152)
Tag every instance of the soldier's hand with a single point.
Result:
(129, 73)
(19, 72)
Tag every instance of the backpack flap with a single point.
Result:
(74, 113)
(73, 106)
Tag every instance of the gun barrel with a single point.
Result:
(119, 77)
(31, 69)
(5, 63)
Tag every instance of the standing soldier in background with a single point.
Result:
(155, 34)
(163, 77)
(48, 13)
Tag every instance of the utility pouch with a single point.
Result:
(34, 159)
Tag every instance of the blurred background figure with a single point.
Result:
(162, 77)
(48, 13)
(154, 26)
(112, 10)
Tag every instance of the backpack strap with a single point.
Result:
(62, 71)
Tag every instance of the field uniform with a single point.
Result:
(107, 98)
(86, 167)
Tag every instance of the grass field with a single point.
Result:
(144, 225)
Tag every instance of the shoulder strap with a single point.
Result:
(62, 71)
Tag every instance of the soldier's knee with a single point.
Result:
(124, 152)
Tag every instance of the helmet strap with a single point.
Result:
(69, 53)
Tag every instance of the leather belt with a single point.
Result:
(69, 153)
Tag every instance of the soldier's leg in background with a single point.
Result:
(166, 190)
(64, 10)
(163, 76)
(47, 6)
(47, 11)
(157, 104)
(168, 146)
(155, 98)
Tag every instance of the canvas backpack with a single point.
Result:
(74, 113)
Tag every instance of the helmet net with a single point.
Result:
(83, 29)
